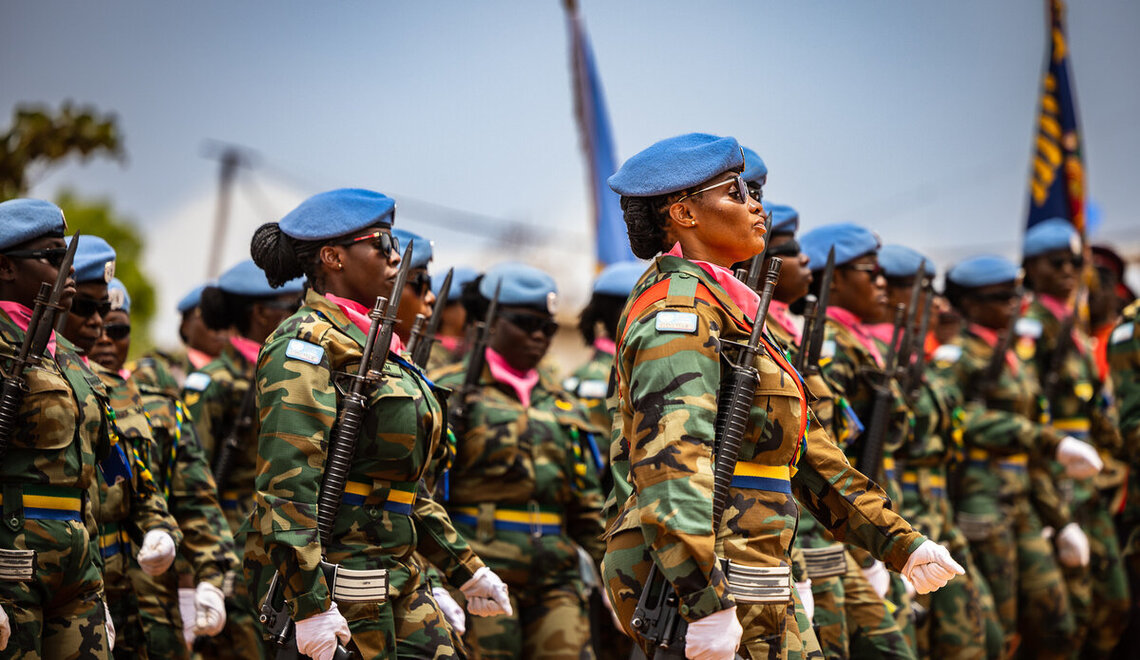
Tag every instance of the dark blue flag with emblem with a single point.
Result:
(1057, 180)
(597, 143)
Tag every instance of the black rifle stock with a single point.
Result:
(657, 617)
(44, 311)
(906, 347)
(476, 359)
(227, 454)
(985, 383)
(875, 435)
(916, 367)
(421, 351)
(813, 344)
(811, 311)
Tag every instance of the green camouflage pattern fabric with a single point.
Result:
(60, 435)
(993, 490)
(662, 463)
(298, 404)
(1099, 591)
(441, 356)
(540, 456)
(871, 619)
(590, 383)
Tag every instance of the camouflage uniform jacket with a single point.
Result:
(214, 397)
(669, 368)
(385, 513)
(184, 476)
(1005, 431)
(544, 455)
(590, 383)
(1124, 365)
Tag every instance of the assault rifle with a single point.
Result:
(875, 437)
(906, 347)
(985, 383)
(811, 311)
(916, 367)
(1056, 360)
(812, 343)
(477, 357)
(656, 617)
(342, 447)
(227, 454)
(36, 338)
(420, 343)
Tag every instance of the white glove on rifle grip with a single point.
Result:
(210, 610)
(715, 637)
(486, 594)
(1079, 458)
(451, 610)
(1072, 546)
(879, 577)
(807, 599)
(157, 552)
(930, 567)
(317, 635)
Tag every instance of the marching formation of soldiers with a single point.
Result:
(785, 444)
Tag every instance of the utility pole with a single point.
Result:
(230, 158)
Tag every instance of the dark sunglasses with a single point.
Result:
(529, 323)
(755, 190)
(420, 282)
(787, 249)
(85, 307)
(381, 240)
(1058, 261)
(872, 270)
(996, 296)
(740, 191)
(117, 331)
(53, 256)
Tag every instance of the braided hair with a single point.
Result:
(645, 219)
(284, 258)
(604, 309)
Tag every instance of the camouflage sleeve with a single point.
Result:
(439, 543)
(206, 407)
(674, 379)
(584, 511)
(1044, 496)
(1105, 429)
(148, 506)
(1124, 366)
(849, 504)
(297, 406)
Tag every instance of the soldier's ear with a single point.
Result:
(680, 215)
(7, 269)
(330, 257)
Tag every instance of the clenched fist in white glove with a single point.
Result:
(157, 552)
(807, 598)
(486, 594)
(451, 610)
(317, 635)
(931, 567)
(715, 637)
(5, 629)
(210, 609)
(1079, 458)
(1072, 546)
(879, 577)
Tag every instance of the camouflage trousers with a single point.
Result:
(59, 612)
(1099, 592)
(158, 613)
(1027, 586)
(871, 620)
(241, 639)
(409, 626)
(123, 601)
(830, 618)
(803, 643)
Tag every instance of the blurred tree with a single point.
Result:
(39, 140)
(97, 217)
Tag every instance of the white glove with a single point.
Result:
(317, 635)
(931, 567)
(157, 552)
(486, 594)
(806, 597)
(1079, 458)
(908, 585)
(451, 610)
(110, 626)
(715, 637)
(210, 609)
(5, 629)
(879, 577)
(1072, 546)
(189, 613)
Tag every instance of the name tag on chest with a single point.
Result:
(676, 322)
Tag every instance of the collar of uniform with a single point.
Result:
(778, 312)
(605, 345)
(247, 347)
(850, 322)
(990, 337)
(744, 297)
(667, 264)
(235, 362)
(1056, 306)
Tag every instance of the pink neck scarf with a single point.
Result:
(358, 314)
(198, 359)
(247, 347)
(523, 382)
(848, 320)
(990, 336)
(778, 312)
(605, 345)
(22, 316)
(745, 298)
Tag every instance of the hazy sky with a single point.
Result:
(916, 119)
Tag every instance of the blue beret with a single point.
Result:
(675, 164)
(901, 261)
(1049, 235)
(338, 212)
(850, 240)
(785, 219)
(983, 270)
(620, 278)
(120, 299)
(94, 260)
(755, 171)
(421, 248)
(191, 299)
(21, 220)
(246, 279)
(461, 276)
(522, 285)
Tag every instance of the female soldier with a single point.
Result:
(1006, 439)
(341, 242)
(524, 485)
(453, 325)
(685, 195)
(417, 297)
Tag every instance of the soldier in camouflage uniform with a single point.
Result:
(524, 487)
(51, 583)
(687, 193)
(201, 343)
(1000, 503)
(130, 504)
(183, 476)
(450, 346)
(247, 309)
(1079, 406)
(1124, 367)
(340, 241)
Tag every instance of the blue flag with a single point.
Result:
(1057, 180)
(597, 141)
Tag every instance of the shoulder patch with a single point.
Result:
(828, 349)
(304, 351)
(1122, 333)
(592, 389)
(1027, 327)
(676, 322)
(197, 381)
(570, 384)
(947, 354)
